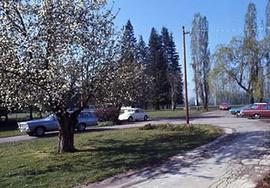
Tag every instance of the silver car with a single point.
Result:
(50, 123)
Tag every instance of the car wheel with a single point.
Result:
(81, 127)
(145, 118)
(130, 119)
(40, 131)
(256, 116)
(30, 134)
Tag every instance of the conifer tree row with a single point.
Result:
(161, 83)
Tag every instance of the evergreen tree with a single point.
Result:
(128, 43)
(157, 69)
(174, 72)
(141, 52)
(145, 85)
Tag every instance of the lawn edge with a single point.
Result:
(120, 178)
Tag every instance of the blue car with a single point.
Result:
(235, 111)
(50, 123)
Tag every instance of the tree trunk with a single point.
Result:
(66, 132)
(206, 95)
(145, 106)
(172, 100)
(157, 106)
(31, 112)
(118, 107)
(173, 105)
(251, 99)
(40, 114)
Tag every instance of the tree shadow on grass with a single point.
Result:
(235, 148)
(139, 153)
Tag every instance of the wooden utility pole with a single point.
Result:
(185, 75)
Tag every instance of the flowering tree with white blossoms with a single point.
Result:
(51, 52)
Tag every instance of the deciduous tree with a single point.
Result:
(200, 58)
(54, 50)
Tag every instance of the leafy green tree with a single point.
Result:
(200, 58)
(251, 52)
(241, 58)
(266, 48)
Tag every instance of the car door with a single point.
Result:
(141, 114)
(136, 114)
(267, 111)
(52, 124)
(91, 119)
(87, 118)
(263, 110)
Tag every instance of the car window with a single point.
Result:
(50, 117)
(136, 111)
(254, 107)
(85, 115)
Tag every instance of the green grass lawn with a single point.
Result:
(9, 133)
(100, 155)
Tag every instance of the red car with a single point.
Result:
(256, 111)
(224, 106)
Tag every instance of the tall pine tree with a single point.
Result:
(128, 43)
(157, 69)
(141, 58)
(127, 66)
(174, 70)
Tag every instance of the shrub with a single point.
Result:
(107, 114)
(148, 126)
(105, 124)
(167, 126)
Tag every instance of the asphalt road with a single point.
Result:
(89, 129)
(236, 160)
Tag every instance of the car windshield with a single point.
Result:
(254, 107)
(50, 117)
(131, 110)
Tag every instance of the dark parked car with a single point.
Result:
(256, 111)
(50, 123)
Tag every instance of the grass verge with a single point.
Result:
(178, 113)
(100, 155)
(9, 133)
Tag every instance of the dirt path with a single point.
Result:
(237, 160)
